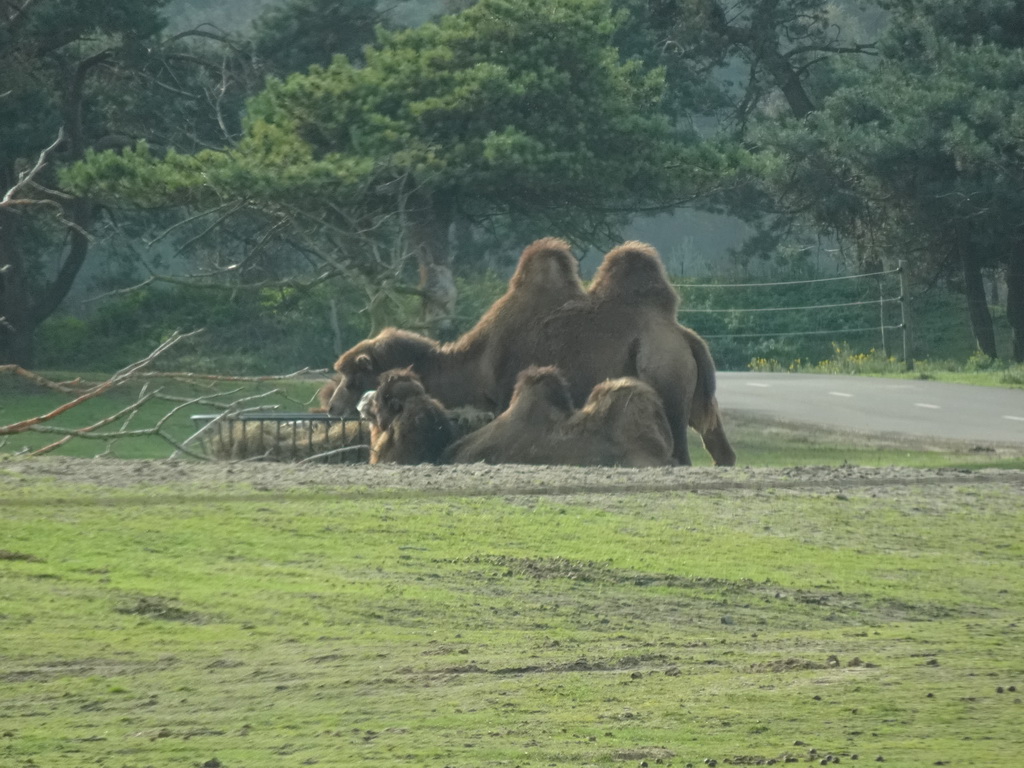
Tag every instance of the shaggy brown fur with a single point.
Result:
(444, 370)
(627, 327)
(478, 369)
(408, 426)
(324, 395)
(546, 278)
(624, 326)
(633, 273)
(621, 424)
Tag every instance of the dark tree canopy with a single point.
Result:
(515, 109)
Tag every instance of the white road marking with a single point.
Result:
(757, 384)
(841, 394)
(1014, 418)
(928, 405)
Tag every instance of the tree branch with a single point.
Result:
(118, 378)
(26, 177)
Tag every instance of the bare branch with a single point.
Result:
(118, 378)
(26, 177)
(68, 387)
(84, 431)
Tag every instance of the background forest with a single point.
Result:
(292, 176)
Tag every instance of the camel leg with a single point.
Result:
(717, 444)
(680, 443)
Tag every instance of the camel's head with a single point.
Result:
(357, 374)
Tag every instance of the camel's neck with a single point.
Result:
(452, 374)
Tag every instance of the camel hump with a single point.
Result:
(547, 264)
(542, 385)
(634, 273)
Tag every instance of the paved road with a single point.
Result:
(930, 409)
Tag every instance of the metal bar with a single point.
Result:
(786, 309)
(872, 328)
(881, 319)
(789, 282)
(908, 339)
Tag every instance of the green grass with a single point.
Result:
(978, 370)
(767, 443)
(341, 626)
(20, 399)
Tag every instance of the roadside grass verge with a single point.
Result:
(227, 626)
(979, 370)
(761, 442)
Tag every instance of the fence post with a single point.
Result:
(908, 356)
(881, 318)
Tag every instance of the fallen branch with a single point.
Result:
(227, 396)
(86, 431)
(117, 379)
(67, 387)
(157, 430)
(188, 376)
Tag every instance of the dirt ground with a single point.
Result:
(493, 480)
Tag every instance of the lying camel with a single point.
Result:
(622, 424)
(407, 426)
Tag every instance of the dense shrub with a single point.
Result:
(246, 331)
(770, 322)
(744, 330)
(281, 330)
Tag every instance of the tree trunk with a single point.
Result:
(428, 221)
(1015, 303)
(761, 38)
(25, 303)
(23, 308)
(16, 329)
(788, 81)
(977, 304)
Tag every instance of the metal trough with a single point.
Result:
(274, 436)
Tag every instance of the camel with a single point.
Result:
(407, 426)
(624, 325)
(622, 424)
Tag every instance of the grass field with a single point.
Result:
(199, 625)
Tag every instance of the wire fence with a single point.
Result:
(818, 312)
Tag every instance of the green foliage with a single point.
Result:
(843, 361)
(264, 331)
(915, 156)
(508, 106)
(979, 369)
(743, 335)
(99, 74)
(294, 35)
(741, 323)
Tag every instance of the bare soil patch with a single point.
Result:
(480, 479)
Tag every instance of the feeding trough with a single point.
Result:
(274, 436)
